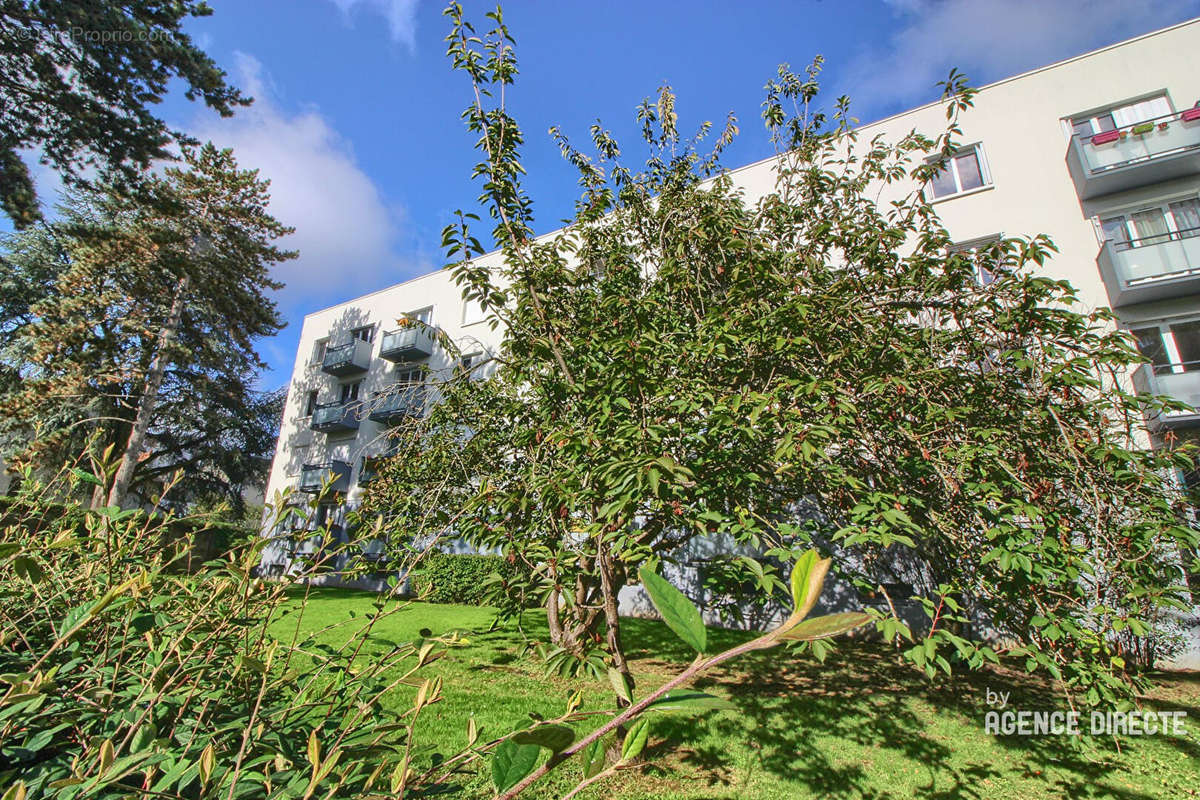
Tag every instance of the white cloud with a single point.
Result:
(989, 40)
(401, 16)
(345, 231)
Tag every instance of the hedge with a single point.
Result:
(461, 578)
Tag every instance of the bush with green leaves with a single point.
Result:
(809, 364)
(123, 675)
(466, 578)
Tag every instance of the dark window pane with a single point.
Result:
(1105, 121)
(943, 183)
(1115, 230)
(1083, 127)
(969, 173)
(1187, 342)
(1150, 344)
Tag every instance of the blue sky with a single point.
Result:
(356, 119)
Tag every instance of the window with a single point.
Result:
(1170, 346)
(1120, 116)
(964, 171)
(408, 377)
(318, 354)
(424, 315)
(310, 403)
(349, 392)
(1154, 225)
(472, 312)
(365, 333)
(985, 268)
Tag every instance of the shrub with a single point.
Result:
(122, 674)
(466, 579)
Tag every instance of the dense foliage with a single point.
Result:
(123, 673)
(463, 578)
(133, 322)
(805, 365)
(78, 82)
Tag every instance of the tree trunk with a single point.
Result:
(612, 620)
(149, 398)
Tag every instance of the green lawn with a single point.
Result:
(858, 726)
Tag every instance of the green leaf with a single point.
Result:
(620, 685)
(28, 569)
(635, 739)
(676, 610)
(594, 756)
(552, 737)
(86, 477)
(826, 626)
(684, 700)
(511, 762)
(808, 577)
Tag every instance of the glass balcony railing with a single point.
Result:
(335, 417)
(1154, 268)
(313, 477)
(405, 402)
(347, 359)
(410, 343)
(1177, 381)
(1136, 155)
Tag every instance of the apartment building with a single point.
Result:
(1101, 152)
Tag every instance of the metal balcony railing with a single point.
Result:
(403, 403)
(1152, 151)
(347, 359)
(313, 477)
(1153, 268)
(1177, 381)
(410, 343)
(335, 417)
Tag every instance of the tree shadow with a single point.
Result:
(798, 716)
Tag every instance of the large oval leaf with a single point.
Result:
(676, 610)
(553, 737)
(686, 700)
(511, 762)
(808, 578)
(826, 626)
(635, 739)
(594, 756)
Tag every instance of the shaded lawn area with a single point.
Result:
(861, 725)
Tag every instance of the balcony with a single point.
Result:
(335, 417)
(390, 409)
(1182, 386)
(347, 359)
(313, 477)
(1136, 155)
(410, 343)
(1154, 268)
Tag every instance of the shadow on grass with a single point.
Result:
(797, 714)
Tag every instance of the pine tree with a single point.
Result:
(156, 302)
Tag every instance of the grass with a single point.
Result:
(862, 725)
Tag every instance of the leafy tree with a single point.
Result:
(811, 366)
(139, 327)
(77, 80)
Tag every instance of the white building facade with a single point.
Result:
(1100, 152)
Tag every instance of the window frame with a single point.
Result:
(973, 246)
(370, 333)
(320, 348)
(1126, 214)
(985, 174)
(415, 316)
(1175, 365)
